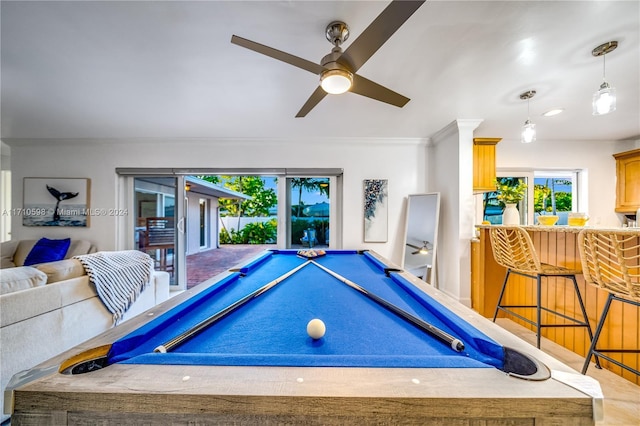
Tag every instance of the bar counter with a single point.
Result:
(556, 245)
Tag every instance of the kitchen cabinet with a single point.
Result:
(627, 181)
(484, 164)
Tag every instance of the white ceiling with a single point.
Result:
(116, 69)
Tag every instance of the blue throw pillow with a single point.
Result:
(46, 250)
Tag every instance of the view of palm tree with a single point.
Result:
(310, 222)
(254, 220)
(309, 185)
(552, 196)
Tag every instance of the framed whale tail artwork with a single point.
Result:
(56, 202)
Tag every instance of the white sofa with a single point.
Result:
(40, 322)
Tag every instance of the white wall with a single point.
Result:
(409, 165)
(401, 161)
(193, 222)
(5, 189)
(593, 156)
(451, 174)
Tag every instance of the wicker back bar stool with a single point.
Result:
(514, 250)
(611, 261)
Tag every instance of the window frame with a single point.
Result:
(579, 194)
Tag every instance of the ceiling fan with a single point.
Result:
(424, 249)
(338, 69)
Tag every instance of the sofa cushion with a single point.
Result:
(7, 249)
(22, 305)
(24, 247)
(21, 278)
(62, 270)
(77, 248)
(46, 250)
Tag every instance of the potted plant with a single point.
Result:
(511, 195)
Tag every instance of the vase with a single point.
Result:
(510, 215)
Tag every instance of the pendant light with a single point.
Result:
(529, 129)
(604, 100)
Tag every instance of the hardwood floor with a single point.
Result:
(621, 397)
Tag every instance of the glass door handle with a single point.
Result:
(185, 201)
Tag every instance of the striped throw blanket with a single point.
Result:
(119, 277)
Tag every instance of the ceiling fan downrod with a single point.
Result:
(337, 33)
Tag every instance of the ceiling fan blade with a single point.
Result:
(313, 100)
(368, 88)
(378, 32)
(278, 54)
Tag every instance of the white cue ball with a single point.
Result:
(316, 329)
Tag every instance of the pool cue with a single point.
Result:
(455, 343)
(183, 337)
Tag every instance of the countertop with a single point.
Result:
(556, 228)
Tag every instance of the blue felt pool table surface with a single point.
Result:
(270, 330)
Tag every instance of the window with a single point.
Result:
(309, 219)
(555, 193)
(548, 192)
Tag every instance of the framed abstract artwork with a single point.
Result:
(375, 210)
(56, 202)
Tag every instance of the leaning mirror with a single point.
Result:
(421, 235)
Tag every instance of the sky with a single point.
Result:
(308, 198)
(557, 187)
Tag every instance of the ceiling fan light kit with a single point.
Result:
(338, 69)
(604, 99)
(336, 81)
(423, 250)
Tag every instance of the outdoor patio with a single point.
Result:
(207, 264)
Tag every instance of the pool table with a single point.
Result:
(395, 351)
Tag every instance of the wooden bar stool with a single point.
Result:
(611, 261)
(514, 250)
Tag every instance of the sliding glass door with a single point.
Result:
(309, 213)
(159, 221)
(181, 212)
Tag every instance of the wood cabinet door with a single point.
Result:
(628, 181)
(484, 164)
